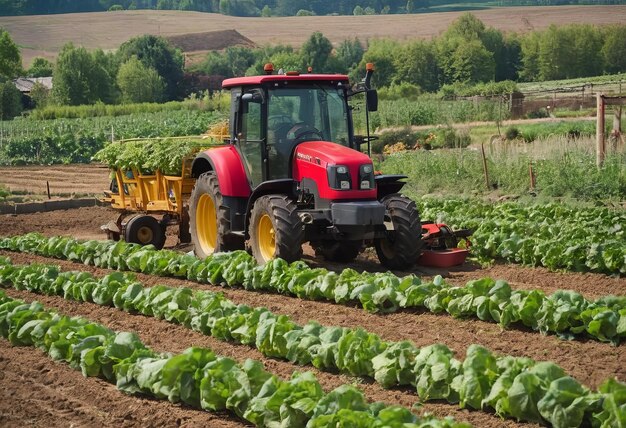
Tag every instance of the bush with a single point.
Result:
(538, 114)
(449, 138)
(10, 101)
(405, 136)
(512, 133)
(403, 90)
(116, 7)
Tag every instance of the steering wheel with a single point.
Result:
(299, 130)
(278, 119)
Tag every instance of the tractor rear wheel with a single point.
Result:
(275, 229)
(402, 246)
(209, 219)
(338, 251)
(145, 230)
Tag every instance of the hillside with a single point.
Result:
(43, 35)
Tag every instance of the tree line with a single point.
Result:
(144, 69)
(148, 69)
(467, 53)
(265, 7)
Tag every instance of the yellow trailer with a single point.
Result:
(150, 203)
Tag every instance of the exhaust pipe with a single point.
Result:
(306, 218)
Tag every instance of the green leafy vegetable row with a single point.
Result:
(148, 156)
(565, 313)
(551, 235)
(482, 381)
(197, 377)
(46, 142)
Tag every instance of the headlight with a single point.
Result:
(339, 177)
(366, 177)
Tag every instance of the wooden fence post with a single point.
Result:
(600, 148)
(482, 148)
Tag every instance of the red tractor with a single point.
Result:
(294, 173)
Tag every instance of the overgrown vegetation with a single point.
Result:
(219, 101)
(563, 167)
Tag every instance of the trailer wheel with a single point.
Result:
(209, 219)
(402, 246)
(275, 229)
(145, 230)
(338, 251)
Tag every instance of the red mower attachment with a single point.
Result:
(441, 245)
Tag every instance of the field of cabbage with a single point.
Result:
(553, 235)
(346, 374)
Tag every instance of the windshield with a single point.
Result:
(305, 113)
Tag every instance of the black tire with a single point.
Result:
(145, 230)
(207, 184)
(286, 224)
(339, 251)
(401, 248)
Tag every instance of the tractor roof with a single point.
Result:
(258, 80)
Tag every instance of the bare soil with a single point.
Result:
(36, 391)
(45, 35)
(210, 41)
(64, 180)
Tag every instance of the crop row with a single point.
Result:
(513, 387)
(566, 313)
(551, 235)
(77, 140)
(197, 377)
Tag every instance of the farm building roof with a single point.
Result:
(25, 84)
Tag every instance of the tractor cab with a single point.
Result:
(273, 114)
(294, 173)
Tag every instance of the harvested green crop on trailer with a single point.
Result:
(148, 156)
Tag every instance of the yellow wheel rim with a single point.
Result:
(266, 237)
(145, 235)
(206, 224)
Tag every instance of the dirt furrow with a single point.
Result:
(163, 336)
(589, 361)
(36, 391)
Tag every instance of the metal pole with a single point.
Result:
(367, 125)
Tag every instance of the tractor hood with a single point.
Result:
(317, 164)
(325, 153)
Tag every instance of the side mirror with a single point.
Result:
(372, 99)
(252, 97)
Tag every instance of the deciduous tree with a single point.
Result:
(157, 53)
(138, 83)
(10, 57)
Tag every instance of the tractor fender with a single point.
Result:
(283, 186)
(227, 165)
(388, 184)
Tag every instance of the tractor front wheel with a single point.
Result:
(145, 230)
(402, 245)
(275, 229)
(209, 219)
